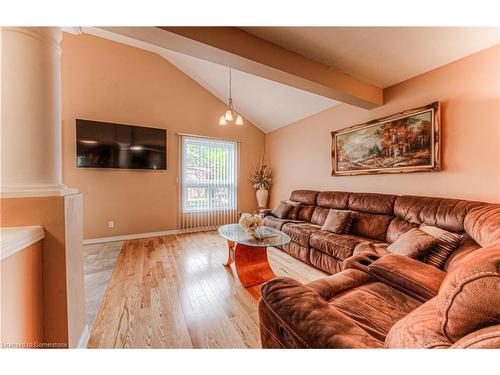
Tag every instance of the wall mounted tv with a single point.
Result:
(107, 145)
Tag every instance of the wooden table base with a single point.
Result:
(251, 264)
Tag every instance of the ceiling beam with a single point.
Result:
(235, 48)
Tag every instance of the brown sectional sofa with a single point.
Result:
(379, 220)
(375, 299)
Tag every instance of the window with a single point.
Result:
(209, 174)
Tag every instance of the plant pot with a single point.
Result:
(262, 195)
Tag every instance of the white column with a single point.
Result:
(31, 149)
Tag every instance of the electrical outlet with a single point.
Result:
(111, 224)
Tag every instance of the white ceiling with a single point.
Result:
(382, 56)
(267, 104)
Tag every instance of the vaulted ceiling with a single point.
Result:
(267, 104)
(380, 56)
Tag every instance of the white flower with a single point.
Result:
(249, 221)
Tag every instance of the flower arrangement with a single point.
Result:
(250, 222)
(261, 177)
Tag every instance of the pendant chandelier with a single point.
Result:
(230, 113)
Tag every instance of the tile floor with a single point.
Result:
(100, 260)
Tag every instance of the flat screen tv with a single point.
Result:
(108, 145)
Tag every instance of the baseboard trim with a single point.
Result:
(135, 236)
(84, 338)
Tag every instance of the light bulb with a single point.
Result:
(222, 121)
(229, 115)
(239, 120)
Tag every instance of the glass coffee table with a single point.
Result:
(249, 254)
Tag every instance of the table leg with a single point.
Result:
(252, 265)
(230, 253)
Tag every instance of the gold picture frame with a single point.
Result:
(405, 142)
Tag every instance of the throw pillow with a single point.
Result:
(414, 244)
(347, 227)
(292, 215)
(282, 210)
(337, 221)
(446, 244)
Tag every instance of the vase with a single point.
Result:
(262, 195)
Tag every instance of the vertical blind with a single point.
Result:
(209, 176)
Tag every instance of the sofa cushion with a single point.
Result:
(339, 246)
(371, 247)
(337, 221)
(298, 251)
(307, 197)
(446, 244)
(281, 210)
(418, 330)
(324, 261)
(301, 232)
(382, 204)
(305, 213)
(274, 222)
(413, 244)
(410, 276)
(375, 307)
(370, 225)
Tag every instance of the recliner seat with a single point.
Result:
(392, 302)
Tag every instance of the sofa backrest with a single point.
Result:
(372, 214)
(411, 211)
(338, 200)
(448, 214)
(385, 217)
(482, 223)
(306, 197)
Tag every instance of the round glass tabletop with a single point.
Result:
(272, 237)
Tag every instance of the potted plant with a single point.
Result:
(261, 179)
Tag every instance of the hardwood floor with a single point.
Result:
(174, 292)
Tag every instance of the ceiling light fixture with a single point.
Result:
(230, 113)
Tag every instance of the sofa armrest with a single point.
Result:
(292, 315)
(417, 279)
(328, 287)
(360, 261)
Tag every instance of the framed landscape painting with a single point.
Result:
(405, 142)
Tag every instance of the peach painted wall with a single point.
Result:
(21, 298)
(469, 90)
(62, 298)
(107, 81)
